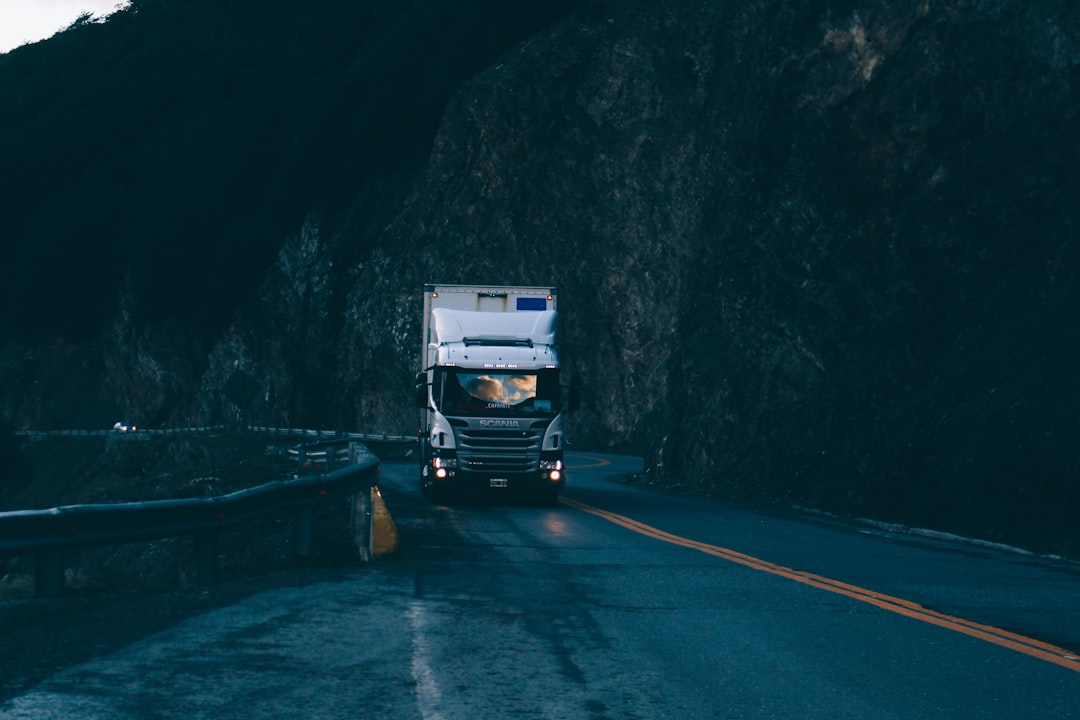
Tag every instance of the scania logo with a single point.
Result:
(500, 423)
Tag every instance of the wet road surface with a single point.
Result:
(618, 603)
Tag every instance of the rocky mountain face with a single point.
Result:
(820, 252)
(816, 251)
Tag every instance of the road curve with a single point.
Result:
(619, 603)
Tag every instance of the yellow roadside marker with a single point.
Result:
(384, 532)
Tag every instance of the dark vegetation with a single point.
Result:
(173, 147)
(15, 470)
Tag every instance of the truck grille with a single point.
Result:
(498, 451)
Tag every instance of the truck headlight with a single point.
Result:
(441, 462)
(552, 469)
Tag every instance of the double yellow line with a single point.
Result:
(1004, 638)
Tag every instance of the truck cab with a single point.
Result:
(491, 392)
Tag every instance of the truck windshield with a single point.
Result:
(459, 391)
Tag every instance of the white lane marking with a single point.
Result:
(428, 695)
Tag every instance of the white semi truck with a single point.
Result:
(491, 392)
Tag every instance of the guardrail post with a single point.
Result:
(206, 558)
(48, 573)
(362, 525)
(302, 531)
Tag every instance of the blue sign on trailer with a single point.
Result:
(532, 303)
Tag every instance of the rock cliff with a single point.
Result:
(820, 252)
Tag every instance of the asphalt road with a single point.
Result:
(619, 603)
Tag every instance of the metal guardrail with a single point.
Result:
(285, 432)
(37, 434)
(319, 456)
(48, 533)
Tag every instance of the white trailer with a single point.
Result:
(490, 391)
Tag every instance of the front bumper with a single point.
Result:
(452, 479)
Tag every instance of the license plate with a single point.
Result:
(498, 482)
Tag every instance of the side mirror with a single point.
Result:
(421, 396)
